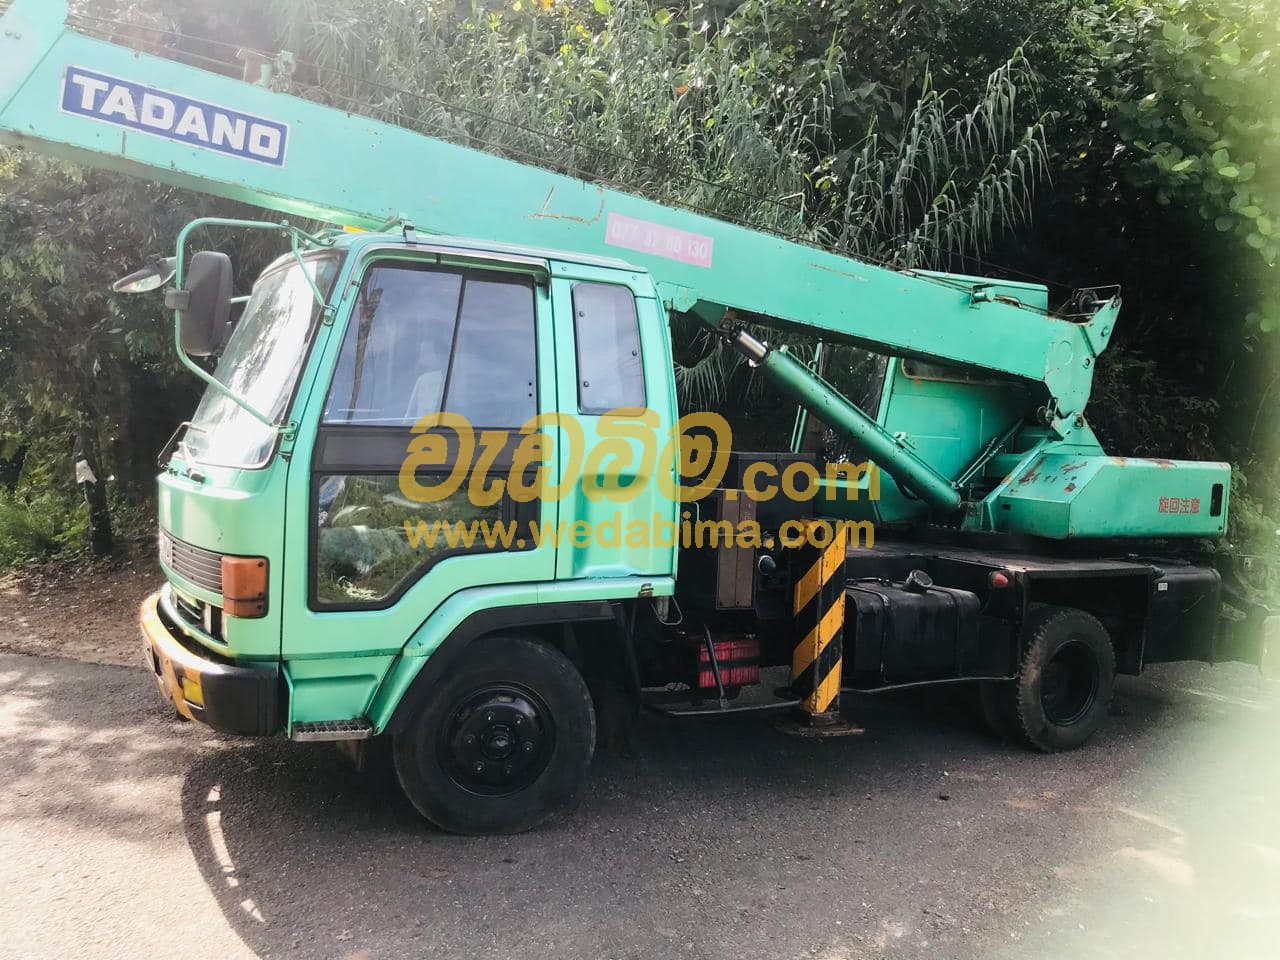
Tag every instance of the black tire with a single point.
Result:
(1065, 682)
(502, 743)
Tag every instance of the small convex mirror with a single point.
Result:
(151, 277)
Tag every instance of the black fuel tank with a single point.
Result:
(908, 632)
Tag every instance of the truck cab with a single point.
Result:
(294, 596)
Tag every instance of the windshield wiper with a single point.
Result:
(177, 443)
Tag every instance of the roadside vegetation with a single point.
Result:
(1069, 141)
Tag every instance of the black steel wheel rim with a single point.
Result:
(497, 740)
(1069, 683)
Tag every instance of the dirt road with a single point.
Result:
(126, 834)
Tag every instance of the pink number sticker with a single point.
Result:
(657, 240)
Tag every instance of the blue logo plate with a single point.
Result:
(174, 117)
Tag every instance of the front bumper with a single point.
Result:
(227, 696)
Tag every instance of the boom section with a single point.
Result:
(106, 105)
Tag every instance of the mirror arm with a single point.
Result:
(297, 255)
(217, 384)
(312, 239)
(175, 299)
(294, 233)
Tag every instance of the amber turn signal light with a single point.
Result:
(244, 586)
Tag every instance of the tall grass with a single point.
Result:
(712, 120)
(717, 122)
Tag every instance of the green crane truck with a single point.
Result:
(438, 487)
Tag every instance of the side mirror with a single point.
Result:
(205, 302)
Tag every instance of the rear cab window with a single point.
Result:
(606, 329)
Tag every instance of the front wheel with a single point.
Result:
(1064, 684)
(502, 743)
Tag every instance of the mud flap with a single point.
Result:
(1252, 637)
(1248, 630)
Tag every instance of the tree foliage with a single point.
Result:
(708, 108)
(1192, 87)
(74, 359)
(1187, 145)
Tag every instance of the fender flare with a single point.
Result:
(482, 623)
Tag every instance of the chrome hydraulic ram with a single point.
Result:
(823, 401)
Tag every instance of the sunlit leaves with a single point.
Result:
(1198, 109)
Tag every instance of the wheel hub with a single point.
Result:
(499, 743)
(498, 740)
(1069, 684)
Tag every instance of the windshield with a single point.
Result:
(261, 365)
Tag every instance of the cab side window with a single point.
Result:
(607, 333)
(426, 339)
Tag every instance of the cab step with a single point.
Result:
(358, 729)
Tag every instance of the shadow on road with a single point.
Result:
(98, 734)
(921, 838)
(722, 838)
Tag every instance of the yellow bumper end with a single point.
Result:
(240, 698)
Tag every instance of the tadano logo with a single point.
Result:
(174, 117)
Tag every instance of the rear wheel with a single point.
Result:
(1064, 684)
(502, 743)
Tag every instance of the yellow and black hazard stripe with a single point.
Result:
(819, 619)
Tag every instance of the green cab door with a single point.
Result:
(436, 361)
(615, 384)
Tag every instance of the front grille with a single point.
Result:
(189, 611)
(195, 564)
(201, 615)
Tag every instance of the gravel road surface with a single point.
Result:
(126, 834)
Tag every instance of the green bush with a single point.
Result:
(38, 528)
